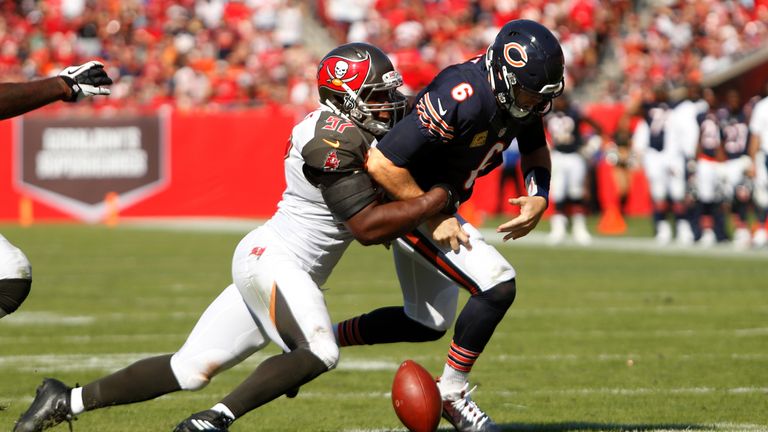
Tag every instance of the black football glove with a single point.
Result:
(85, 80)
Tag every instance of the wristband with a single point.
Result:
(452, 204)
(72, 84)
(537, 181)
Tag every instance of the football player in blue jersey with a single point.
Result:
(739, 166)
(664, 162)
(459, 127)
(569, 169)
(72, 84)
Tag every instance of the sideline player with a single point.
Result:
(462, 122)
(664, 167)
(569, 169)
(279, 267)
(72, 84)
(739, 167)
(710, 157)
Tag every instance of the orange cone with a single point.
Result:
(111, 202)
(26, 214)
(611, 222)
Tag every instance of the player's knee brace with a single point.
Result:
(500, 296)
(13, 292)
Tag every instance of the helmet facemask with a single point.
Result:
(377, 106)
(519, 101)
(358, 81)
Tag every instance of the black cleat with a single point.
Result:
(208, 420)
(50, 407)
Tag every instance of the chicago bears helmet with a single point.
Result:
(525, 65)
(359, 81)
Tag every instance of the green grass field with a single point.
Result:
(596, 341)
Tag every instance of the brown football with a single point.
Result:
(416, 398)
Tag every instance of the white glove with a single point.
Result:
(85, 80)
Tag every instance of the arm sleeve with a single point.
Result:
(531, 136)
(349, 194)
(346, 193)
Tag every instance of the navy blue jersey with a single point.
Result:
(564, 128)
(456, 132)
(656, 115)
(735, 134)
(710, 135)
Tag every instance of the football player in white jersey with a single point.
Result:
(278, 268)
(758, 126)
(664, 165)
(570, 154)
(72, 84)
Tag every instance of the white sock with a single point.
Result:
(76, 401)
(220, 407)
(452, 381)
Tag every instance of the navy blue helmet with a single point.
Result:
(525, 66)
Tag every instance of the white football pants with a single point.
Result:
(430, 276)
(569, 171)
(666, 175)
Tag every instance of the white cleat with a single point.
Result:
(708, 238)
(741, 238)
(558, 232)
(760, 239)
(684, 233)
(663, 233)
(580, 233)
(464, 414)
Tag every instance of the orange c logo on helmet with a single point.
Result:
(521, 53)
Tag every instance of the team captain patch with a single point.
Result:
(479, 139)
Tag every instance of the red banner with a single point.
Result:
(220, 165)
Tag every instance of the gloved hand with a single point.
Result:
(85, 80)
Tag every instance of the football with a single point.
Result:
(416, 398)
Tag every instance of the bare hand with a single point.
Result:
(447, 232)
(531, 210)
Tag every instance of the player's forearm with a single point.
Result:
(537, 158)
(379, 223)
(18, 98)
(397, 181)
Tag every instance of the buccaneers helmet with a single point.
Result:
(525, 65)
(359, 81)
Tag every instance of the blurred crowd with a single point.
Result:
(675, 42)
(201, 54)
(235, 54)
(218, 54)
(424, 37)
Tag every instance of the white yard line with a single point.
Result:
(537, 238)
(108, 362)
